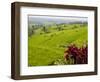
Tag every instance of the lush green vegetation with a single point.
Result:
(46, 44)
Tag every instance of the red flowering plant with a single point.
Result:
(79, 55)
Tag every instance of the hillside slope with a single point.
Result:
(45, 48)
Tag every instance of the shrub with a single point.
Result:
(78, 54)
(61, 61)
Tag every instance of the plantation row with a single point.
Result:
(40, 29)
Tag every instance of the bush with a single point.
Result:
(78, 54)
(73, 55)
(61, 61)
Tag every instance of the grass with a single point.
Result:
(45, 48)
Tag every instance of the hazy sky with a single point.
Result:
(55, 19)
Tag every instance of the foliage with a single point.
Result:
(78, 54)
(61, 61)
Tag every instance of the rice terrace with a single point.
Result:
(57, 40)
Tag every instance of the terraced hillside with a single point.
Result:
(46, 47)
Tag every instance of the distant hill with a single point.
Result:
(42, 20)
